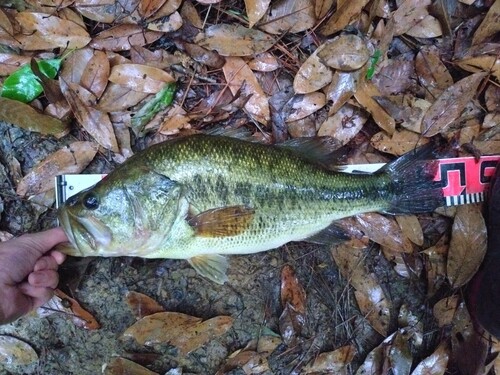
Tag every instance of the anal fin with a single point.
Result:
(331, 235)
(222, 222)
(211, 266)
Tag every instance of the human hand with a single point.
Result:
(28, 272)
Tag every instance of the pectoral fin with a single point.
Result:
(222, 222)
(213, 267)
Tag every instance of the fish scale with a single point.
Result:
(183, 192)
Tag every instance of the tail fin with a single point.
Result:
(412, 176)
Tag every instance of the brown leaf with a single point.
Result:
(490, 25)
(444, 310)
(432, 73)
(289, 17)
(485, 63)
(14, 352)
(293, 300)
(396, 76)
(26, 117)
(95, 122)
(312, 75)
(9, 63)
(341, 89)
(345, 124)
(428, 27)
(331, 362)
(167, 24)
(450, 104)
(142, 305)
(256, 9)
(467, 246)
(123, 37)
(140, 77)
(119, 98)
(80, 316)
(149, 7)
(71, 159)
(240, 77)
(411, 228)
(344, 15)
(264, 62)
(75, 65)
(409, 14)
(185, 332)
(123, 366)
(95, 76)
(300, 106)
(235, 40)
(51, 31)
(399, 143)
(436, 363)
(347, 52)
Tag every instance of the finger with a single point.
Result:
(44, 241)
(58, 256)
(44, 279)
(45, 263)
(39, 295)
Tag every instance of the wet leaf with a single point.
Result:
(186, 333)
(264, 62)
(123, 366)
(341, 89)
(249, 361)
(149, 7)
(395, 77)
(9, 63)
(235, 40)
(346, 12)
(76, 64)
(444, 310)
(312, 75)
(95, 76)
(289, 16)
(141, 78)
(450, 104)
(489, 26)
(95, 122)
(346, 53)
(301, 106)
(71, 159)
(26, 117)
(432, 73)
(331, 362)
(167, 24)
(240, 77)
(293, 300)
(467, 245)
(142, 305)
(256, 9)
(50, 31)
(123, 37)
(399, 143)
(15, 352)
(428, 27)
(345, 124)
(435, 364)
(485, 63)
(409, 14)
(411, 228)
(118, 98)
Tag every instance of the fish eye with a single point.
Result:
(90, 201)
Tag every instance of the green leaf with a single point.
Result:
(24, 86)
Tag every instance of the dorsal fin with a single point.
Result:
(321, 150)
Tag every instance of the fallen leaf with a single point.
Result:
(168, 24)
(450, 104)
(9, 63)
(489, 26)
(15, 352)
(293, 300)
(444, 310)
(409, 14)
(95, 122)
(436, 363)
(189, 13)
(142, 305)
(399, 143)
(76, 64)
(240, 77)
(345, 124)
(300, 106)
(467, 246)
(123, 37)
(485, 63)
(140, 77)
(119, 98)
(432, 73)
(331, 362)
(256, 9)
(411, 228)
(235, 40)
(347, 52)
(289, 17)
(396, 76)
(71, 159)
(95, 76)
(312, 75)
(28, 118)
(186, 333)
(149, 7)
(341, 89)
(428, 27)
(123, 366)
(346, 12)
(263, 62)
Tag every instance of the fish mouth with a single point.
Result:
(87, 235)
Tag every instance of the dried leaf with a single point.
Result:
(293, 300)
(123, 37)
(312, 75)
(240, 77)
(450, 104)
(168, 24)
(123, 366)
(186, 333)
(432, 73)
(467, 246)
(118, 98)
(346, 53)
(49, 31)
(15, 352)
(411, 228)
(9, 63)
(95, 122)
(428, 27)
(264, 62)
(140, 77)
(444, 310)
(300, 106)
(256, 9)
(436, 363)
(331, 362)
(341, 89)
(142, 305)
(490, 25)
(399, 143)
(346, 13)
(409, 14)
(289, 17)
(149, 7)
(71, 159)
(95, 76)
(76, 64)
(485, 63)
(26, 117)
(235, 40)
(345, 124)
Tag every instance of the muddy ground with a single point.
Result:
(252, 296)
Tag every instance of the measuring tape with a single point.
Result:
(465, 179)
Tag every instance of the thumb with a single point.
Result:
(44, 241)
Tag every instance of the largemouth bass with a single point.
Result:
(205, 196)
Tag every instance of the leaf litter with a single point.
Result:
(379, 78)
